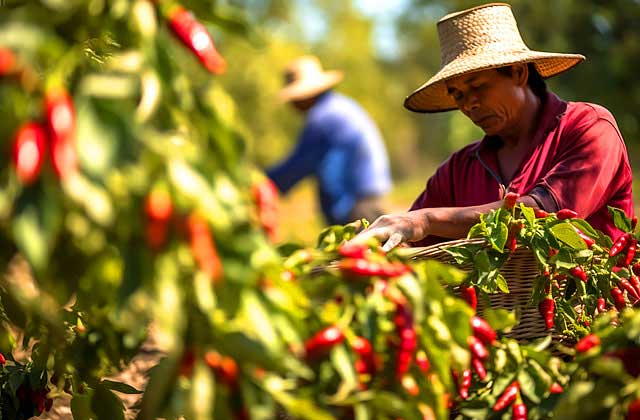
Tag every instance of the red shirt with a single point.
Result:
(577, 160)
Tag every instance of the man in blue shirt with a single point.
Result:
(340, 145)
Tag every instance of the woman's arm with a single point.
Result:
(446, 222)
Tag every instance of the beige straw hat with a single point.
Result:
(304, 78)
(481, 38)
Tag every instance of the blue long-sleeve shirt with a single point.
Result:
(343, 148)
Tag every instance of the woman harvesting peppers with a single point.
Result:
(564, 157)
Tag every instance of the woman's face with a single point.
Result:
(492, 100)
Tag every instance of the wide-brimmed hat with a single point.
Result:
(304, 78)
(481, 38)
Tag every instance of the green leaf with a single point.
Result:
(81, 407)
(566, 233)
(501, 282)
(620, 219)
(585, 227)
(498, 237)
(106, 405)
(500, 319)
(120, 387)
(528, 214)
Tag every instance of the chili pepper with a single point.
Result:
(7, 61)
(323, 341)
(478, 366)
(519, 412)
(194, 35)
(353, 250)
(601, 305)
(507, 397)
(579, 273)
(540, 214)
(465, 384)
(483, 331)
(631, 252)
(408, 345)
(478, 349)
(618, 298)
(265, 195)
(632, 293)
(61, 118)
(552, 252)
(362, 267)
(3, 360)
(547, 308)
(589, 241)
(423, 361)
(556, 388)
(619, 245)
(636, 268)
(158, 206)
(468, 294)
(510, 200)
(410, 385)
(566, 214)
(630, 358)
(513, 244)
(364, 349)
(634, 222)
(224, 368)
(156, 234)
(587, 342)
(635, 282)
(633, 411)
(203, 247)
(29, 148)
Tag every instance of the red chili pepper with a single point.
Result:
(635, 282)
(362, 267)
(195, 36)
(566, 214)
(619, 245)
(2, 359)
(618, 298)
(478, 349)
(547, 309)
(510, 200)
(187, 363)
(265, 195)
(636, 269)
(29, 148)
(61, 118)
(363, 348)
(478, 366)
(7, 61)
(203, 247)
(519, 412)
(465, 384)
(468, 294)
(579, 273)
(589, 241)
(513, 244)
(540, 214)
(631, 252)
(323, 341)
(482, 330)
(633, 411)
(508, 397)
(224, 368)
(632, 293)
(423, 361)
(348, 250)
(408, 345)
(601, 305)
(552, 252)
(556, 388)
(156, 234)
(158, 206)
(587, 342)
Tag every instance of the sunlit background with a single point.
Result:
(387, 49)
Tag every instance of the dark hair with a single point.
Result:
(535, 81)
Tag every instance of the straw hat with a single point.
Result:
(304, 78)
(481, 38)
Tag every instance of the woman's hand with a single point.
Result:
(394, 229)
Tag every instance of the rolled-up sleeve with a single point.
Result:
(588, 170)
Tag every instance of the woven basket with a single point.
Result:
(520, 272)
